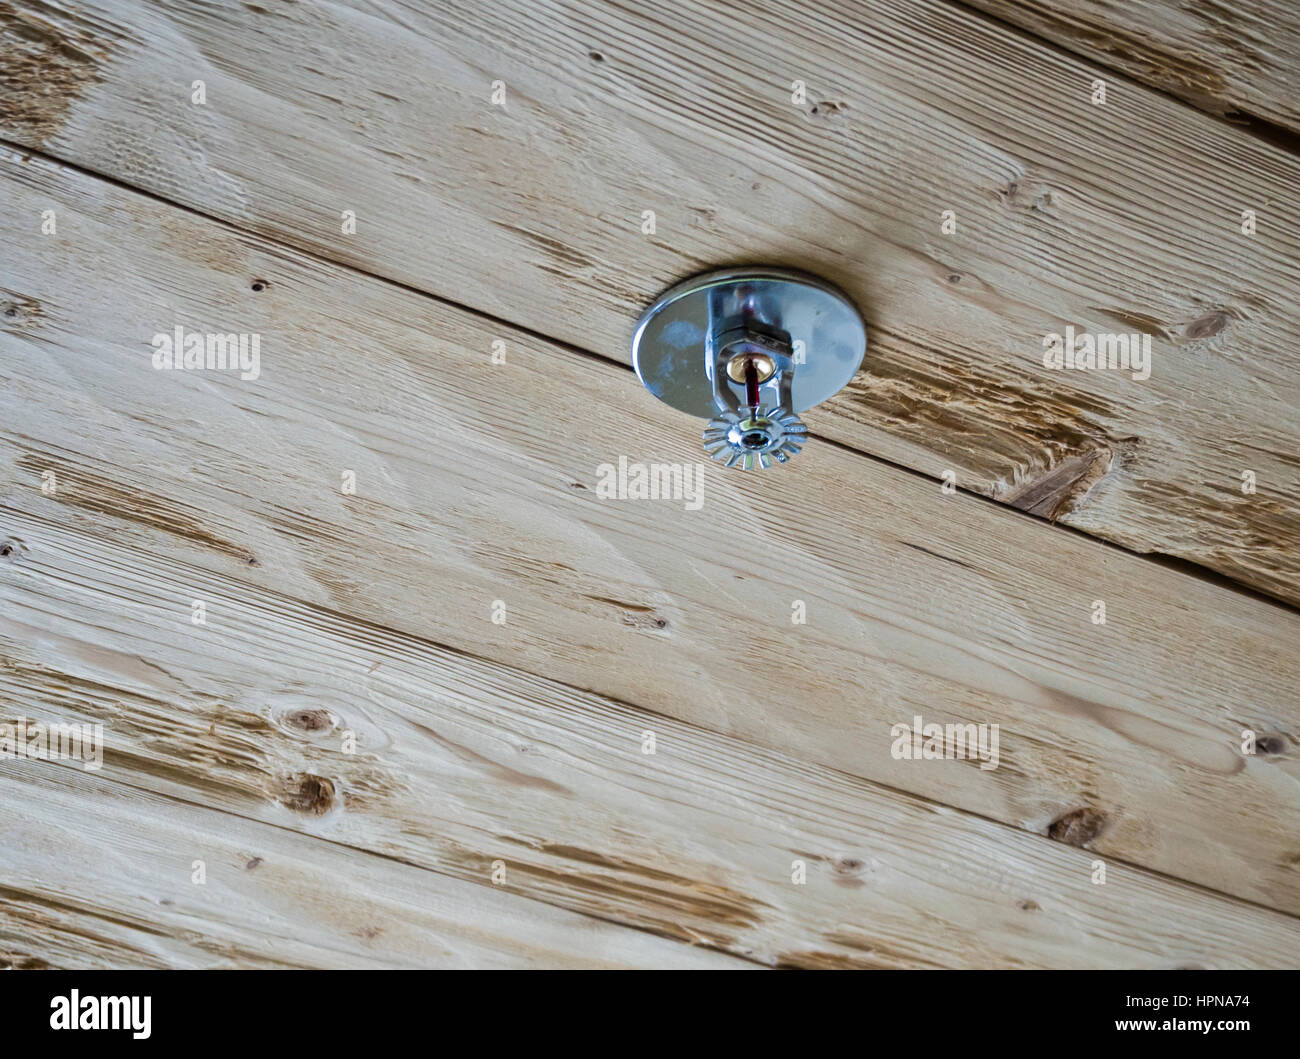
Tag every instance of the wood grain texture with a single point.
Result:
(99, 873)
(1238, 60)
(1117, 218)
(460, 764)
(476, 483)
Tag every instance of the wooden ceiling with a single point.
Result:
(499, 807)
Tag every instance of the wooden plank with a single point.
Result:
(1238, 60)
(1124, 217)
(460, 765)
(477, 484)
(98, 874)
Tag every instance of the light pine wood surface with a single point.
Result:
(1117, 218)
(461, 766)
(476, 484)
(370, 643)
(1240, 60)
(99, 872)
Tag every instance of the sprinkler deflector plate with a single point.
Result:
(671, 349)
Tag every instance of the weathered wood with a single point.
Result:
(476, 483)
(97, 873)
(1239, 60)
(460, 764)
(1125, 217)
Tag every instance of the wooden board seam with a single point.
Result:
(253, 821)
(1266, 130)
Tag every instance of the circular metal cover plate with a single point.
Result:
(669, 346)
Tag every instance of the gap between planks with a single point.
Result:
(1225, 81)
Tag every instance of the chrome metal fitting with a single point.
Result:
(748, 349)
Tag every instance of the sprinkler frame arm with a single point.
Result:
(748, 337)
